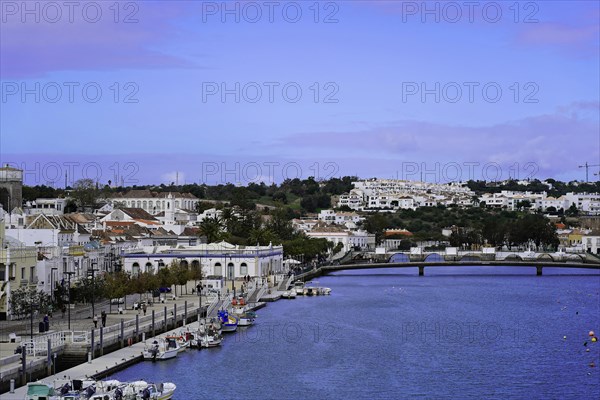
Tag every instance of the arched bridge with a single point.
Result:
(539, 265)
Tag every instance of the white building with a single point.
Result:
(349, 239)
(557, 202)
(155, 202)
(394, 194)
(586, 202)
(216, 259)
(45, 206)
(339, 217)
(591, 243)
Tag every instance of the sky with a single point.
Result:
(214, 92)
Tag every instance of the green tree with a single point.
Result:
(572, 211)
(377, 223)
(25, 299)
(180, 273)
(116, 286)
(212, 228)
(85, 193)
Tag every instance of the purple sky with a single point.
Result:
(216, 92)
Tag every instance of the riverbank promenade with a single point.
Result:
(125, 326)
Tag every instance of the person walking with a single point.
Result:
(103, 317)
(144, 308)
(95, 320)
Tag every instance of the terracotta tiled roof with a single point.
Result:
(138, 213)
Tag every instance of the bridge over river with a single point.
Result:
(538, 264)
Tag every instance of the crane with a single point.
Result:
(587, 166)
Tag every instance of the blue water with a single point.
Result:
(464, 333)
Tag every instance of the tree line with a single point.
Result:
(470, 227)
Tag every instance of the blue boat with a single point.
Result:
(229, 322)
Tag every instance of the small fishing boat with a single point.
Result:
(229, 322)
(182, 340)
(209, 335)
(310, 289)
(313, 289)
(299, 288)
(161, 349)
(40, 391)
(324, 290)
(289, 294)
(209, 339)
(240, 310)
(108, 390)
(144, 390)
(246, 319)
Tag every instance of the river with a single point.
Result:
(468, 333)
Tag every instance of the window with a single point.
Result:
(22, 272)
(243, 269)
(218, 269)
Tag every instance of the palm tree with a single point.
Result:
(211, 228)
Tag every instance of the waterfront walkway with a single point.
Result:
(120, 327)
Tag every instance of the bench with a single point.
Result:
(14, 338)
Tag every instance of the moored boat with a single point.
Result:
(299, 288)
(161, 349)
(144, 390)
(209, 334)
(289, 294)
(247, 319)
(40, 391)
(229, 322)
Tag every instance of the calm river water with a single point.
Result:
(476, 333)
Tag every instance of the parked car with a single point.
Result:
(165, 290)
(120, 300)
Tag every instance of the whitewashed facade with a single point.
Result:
(216, 259)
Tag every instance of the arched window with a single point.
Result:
(218, 269)
(135, 269)
(149, 267)
(243, 269)
(230, 271)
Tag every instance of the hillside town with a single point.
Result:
(47, 242)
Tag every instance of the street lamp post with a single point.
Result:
(69, 273)
(52, 282)
(31, 314)
(93, 272)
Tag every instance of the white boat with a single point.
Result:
(240, 309)
(209, 335)
(299, 288)
(208, 340)
(182, 339)
(106, 390)
(324, 290)
(246, 319)
(289, 294)
(313, 289)
(310, 289)
(144, 390)
(161, 349)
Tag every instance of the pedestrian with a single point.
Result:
(144, 308)
(95, 319)
(103, 317)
